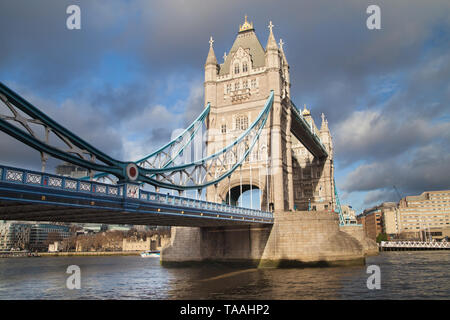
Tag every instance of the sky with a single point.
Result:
(134, 73)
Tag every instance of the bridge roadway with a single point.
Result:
(35, 196)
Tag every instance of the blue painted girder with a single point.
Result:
(29, 195)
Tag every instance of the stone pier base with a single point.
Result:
(370, 246)
(295, 239)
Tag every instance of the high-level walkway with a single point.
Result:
(304, 132)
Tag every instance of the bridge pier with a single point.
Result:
(357, 231)
(296, 239)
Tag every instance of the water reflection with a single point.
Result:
(404, 275)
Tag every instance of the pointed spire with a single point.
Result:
(281, 43)
(271, 43)
(305, 111)
(324, 124)
(211, 59)
(246, 26)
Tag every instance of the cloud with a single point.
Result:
(124, 123)
(425, 169)
(403, 140)
(381, 195)
(374, 135)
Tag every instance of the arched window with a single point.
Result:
(236, 68)
(244, 67)
(241, 122)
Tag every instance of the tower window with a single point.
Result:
(253, 83)
(244, 67)
(241, 122)
(224, 128)
(229, 88)
(245, 84)
(236, 68)
(236, 86)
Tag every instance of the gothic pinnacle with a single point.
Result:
(211, 59)
(271, 43)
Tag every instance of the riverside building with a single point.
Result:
(422, 217)
(14, 236)
(423, 213)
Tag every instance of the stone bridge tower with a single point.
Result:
(237, 90)
(291, 179)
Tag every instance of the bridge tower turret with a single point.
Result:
(327, 176)
(211, 71)
(277, 73)
(237, 90)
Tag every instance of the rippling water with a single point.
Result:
(404, 275)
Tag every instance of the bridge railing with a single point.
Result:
(51, 181)
(122, 191)
(200, 204)
(415, 244)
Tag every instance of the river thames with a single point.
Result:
(404, 275)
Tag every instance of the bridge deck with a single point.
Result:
(27, 195)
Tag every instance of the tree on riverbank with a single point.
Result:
(382, 237)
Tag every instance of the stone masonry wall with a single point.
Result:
(370, 246)
(295, 239)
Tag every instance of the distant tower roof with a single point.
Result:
(246, 26)
(247, 39)
(305, 111)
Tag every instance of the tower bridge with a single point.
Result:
(256, 139)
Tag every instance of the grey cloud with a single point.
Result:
(330, 50)
(381, 195)
(413, 117)
(38, 43)
(426, 169)
(371, 135)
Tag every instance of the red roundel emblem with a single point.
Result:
(132, 171)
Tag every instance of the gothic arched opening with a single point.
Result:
(244, 196)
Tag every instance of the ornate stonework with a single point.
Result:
(287, 173)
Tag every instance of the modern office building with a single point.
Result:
(14, 235)
(42, 233)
